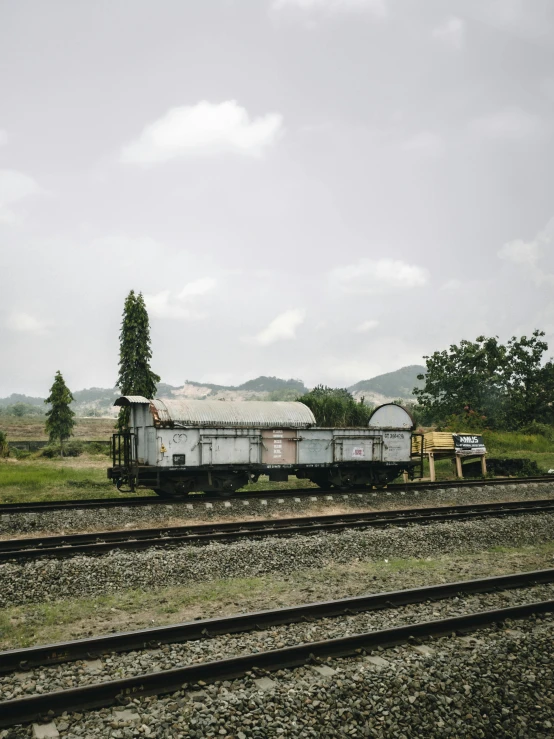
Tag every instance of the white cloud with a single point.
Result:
(181, 306)
(366, 326)
(378, 276)
(14, 186)
(204, 129)
(376, 7)
(451, 285)
(282, 327)
(509, 123)
(198, 287)
(451, 32)
(3, 137)
(25, 323)
(528, 256)
(520, 252)
(426, 143)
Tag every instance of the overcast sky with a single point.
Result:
(322, 189)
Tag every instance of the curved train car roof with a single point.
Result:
(222, 413)
(391, 416)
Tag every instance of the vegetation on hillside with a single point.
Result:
(398, 384)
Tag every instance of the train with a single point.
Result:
(178, 446)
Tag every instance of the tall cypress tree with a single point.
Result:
(135, 376)
(60, 417)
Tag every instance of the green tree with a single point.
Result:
(60, 417)
(501, 386)
(135, 376)
(336, 407)
(528, 380)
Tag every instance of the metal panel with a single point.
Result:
(152, 456)
(141, 445)
(316, 447)
(229, 449)
(397, 446)
(356, 448)
(218, 413)
(279, 446)
(391, 416)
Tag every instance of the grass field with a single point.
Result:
(37, 478)
(32, 428)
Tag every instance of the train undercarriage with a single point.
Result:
(226, 481)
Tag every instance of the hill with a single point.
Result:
(391, 385)
(98, 401)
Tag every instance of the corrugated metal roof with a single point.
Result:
(129, 399)
(252, 413)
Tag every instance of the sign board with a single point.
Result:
(468, 444)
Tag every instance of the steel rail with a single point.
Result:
(93, 647)
(138, 501)
(61, 547)
(23, 710)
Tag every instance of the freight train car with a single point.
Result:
(179, 446)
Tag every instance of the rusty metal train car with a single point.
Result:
(179, 446)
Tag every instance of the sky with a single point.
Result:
(318, 189)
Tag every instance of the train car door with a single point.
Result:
(279, 446)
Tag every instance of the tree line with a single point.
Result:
(484, 383)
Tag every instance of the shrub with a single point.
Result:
(4, 448)
(336, 407)
(463, 422)
(539, 429)
(21, 453)
(71, 449)
(98, 447)
(514, 467)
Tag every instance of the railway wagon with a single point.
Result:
(177, 446)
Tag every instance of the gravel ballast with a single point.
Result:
(500, 683)
(128, 664)
(180, 513)
(51, 579)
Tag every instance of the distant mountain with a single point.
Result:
(18, 398)
(271, 384)
(392, 385)
(98, 401)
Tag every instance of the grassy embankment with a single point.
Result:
(504, 445)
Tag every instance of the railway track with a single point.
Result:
(15, 550)
(128, 501)
(35, 706)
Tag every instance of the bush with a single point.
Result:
(4, 448)
(98, 447)
(336, 407)
(21, 453)
(464, 422)
(539, 429)
(504, 467)
(70, 449)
